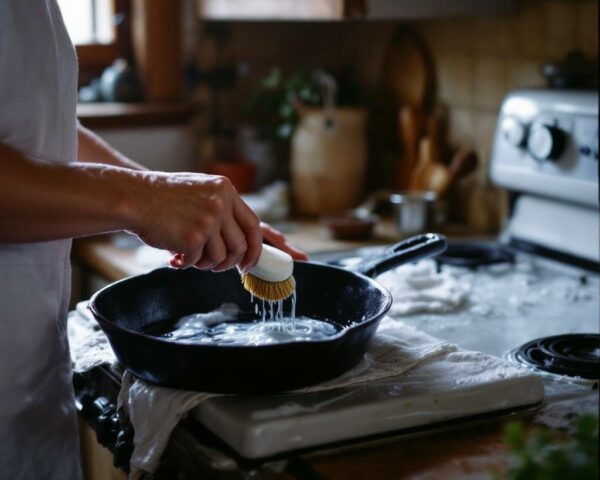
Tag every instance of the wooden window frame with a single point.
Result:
(150, 39)
(95, 57)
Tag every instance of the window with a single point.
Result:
(89, 21)
(100, 31)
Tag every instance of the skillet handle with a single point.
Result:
(409, 250)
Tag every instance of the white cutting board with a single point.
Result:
(447, 387)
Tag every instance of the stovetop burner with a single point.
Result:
(473, 255)
(574, 355)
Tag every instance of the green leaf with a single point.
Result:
(546, 455)
(273, 79)
(513, 435)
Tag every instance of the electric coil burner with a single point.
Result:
(473, 255)
(575, 355)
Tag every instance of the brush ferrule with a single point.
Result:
(273, 265)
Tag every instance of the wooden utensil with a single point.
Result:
(411, 122)
(436, 131)
(463, 163)
(418, 175)
(408, 73)
(408, 69)
(441, 178)
(436, 177)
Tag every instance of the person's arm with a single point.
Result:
(92, 149)
(199, 216)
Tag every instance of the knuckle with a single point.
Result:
(217, 206)
(219, 258)
(208, 222)
(192, 239)
(254, 222)
(223, 183)
(240, 247)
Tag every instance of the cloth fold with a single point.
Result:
(155, 411)
(88, 345)
(419, 288)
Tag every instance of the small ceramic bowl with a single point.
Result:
(350, 224)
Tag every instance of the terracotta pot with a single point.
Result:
(241, 174)
(329, 159)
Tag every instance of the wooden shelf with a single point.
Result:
(339, 10)
(271, 9)
(118, 115)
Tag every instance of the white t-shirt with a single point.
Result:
(38, 82)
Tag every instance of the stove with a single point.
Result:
(523, 311)
(473, 255)
(574, 355)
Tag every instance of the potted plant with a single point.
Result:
(318, 117)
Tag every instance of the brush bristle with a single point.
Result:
(270, 291)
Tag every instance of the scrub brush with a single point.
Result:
(271, 278)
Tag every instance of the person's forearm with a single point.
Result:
(45, 201)
(92, 149)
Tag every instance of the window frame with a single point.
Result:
(93, 58)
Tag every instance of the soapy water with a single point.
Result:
(228, 325)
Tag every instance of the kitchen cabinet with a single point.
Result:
(335, 10)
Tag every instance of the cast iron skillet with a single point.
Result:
(128, 308)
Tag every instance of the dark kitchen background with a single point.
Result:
(246, 89)
(201, 64)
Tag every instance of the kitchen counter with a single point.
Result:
(474, 449)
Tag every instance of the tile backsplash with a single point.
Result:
(479, 60)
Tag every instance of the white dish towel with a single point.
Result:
(155, 411)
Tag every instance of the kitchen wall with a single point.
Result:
(254, 48)
(477, 60)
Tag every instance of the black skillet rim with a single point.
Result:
(356, 326)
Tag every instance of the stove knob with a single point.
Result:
(86, 399)
(546, 142)
(106, 433)
(123, 448)
(514, 131)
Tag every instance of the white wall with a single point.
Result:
(167, 148)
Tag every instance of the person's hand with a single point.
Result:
(200, 218)
(277, 239)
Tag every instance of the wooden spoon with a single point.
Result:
(420, 172)
(441, 179)
(411, 123)
(408, 69)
